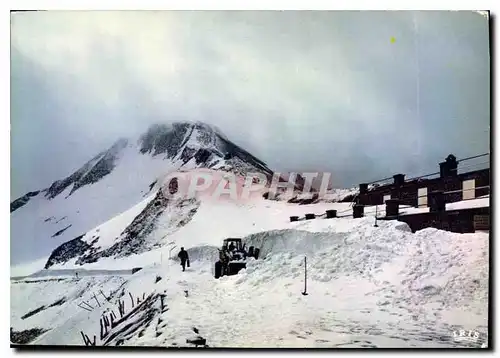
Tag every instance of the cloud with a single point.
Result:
(361, 94)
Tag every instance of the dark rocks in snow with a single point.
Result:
(93, 171)
(67, 251)
(163, 138)
(202, 156)
(16, 204)
(152, 185)
(26, 336)
(187, 154)
(42, 308)
(34, 312)
(233, 150)
(61, 219)
(58, 302)
(173, 140)
(61, 231)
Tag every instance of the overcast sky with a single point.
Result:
(363, 95)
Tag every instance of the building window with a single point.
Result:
(468, 189)
(387, 197)
(422, 197)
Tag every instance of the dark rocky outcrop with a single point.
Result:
(94, 170)
(163, 138)
(67, 251)
(26, 336)
(61, 231)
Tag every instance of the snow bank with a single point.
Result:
(368, 287)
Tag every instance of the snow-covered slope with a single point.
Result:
(116, 180)
(156, 225)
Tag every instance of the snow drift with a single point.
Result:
(368, 287)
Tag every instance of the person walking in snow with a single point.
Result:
(183, 255)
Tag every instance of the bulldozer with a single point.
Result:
(233, 256)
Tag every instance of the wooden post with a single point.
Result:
(131, 299)
(84, 338)
(123, 308)
(97, 300)
(106, 298)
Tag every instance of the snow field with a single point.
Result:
(383, 287)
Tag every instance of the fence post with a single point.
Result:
(131, 299)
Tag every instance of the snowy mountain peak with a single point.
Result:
(117, 179)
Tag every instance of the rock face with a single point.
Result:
(67, 251)
(94, 170)
(205, 144)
